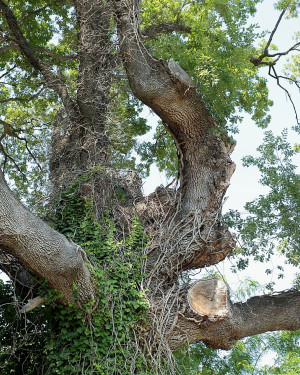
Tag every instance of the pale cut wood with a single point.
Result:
(209, 297)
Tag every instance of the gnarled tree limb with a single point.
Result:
(39, 247)
(206, 165)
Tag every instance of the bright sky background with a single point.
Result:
(244, 182)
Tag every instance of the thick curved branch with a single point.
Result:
(206, 165)
(43, 250)
(211, 317)
(269, 313)
(153, 31)
(170, 92)
(53, 81)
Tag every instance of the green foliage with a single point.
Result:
(272, 225)
(292, 7)
(125, 125)
(25, 102)
(162, 152)
(25, 156)
(215, 53)
(241, 360)
(102, 338)
(286, 345)
(101, 341)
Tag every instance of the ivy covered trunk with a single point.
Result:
(110, 267)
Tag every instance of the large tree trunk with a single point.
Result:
(85, 143)
(186, 225)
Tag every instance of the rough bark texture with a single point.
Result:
(205, 164)
(42, 249)
(84, 144)
(186, 225)
(214, 319)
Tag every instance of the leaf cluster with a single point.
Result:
(272, 223)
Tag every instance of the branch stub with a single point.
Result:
(209, 297)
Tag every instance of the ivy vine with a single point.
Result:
(104, 342)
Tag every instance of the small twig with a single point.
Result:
(7, 71)
(274, 75)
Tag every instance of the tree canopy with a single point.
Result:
(100, 275)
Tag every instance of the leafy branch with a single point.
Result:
(53, 81)
(9, 130)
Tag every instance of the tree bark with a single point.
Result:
(43, 250)
(206, 167)
(214, 319)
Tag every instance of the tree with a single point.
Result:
(117, 262)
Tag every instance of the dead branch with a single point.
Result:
(153, 31)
